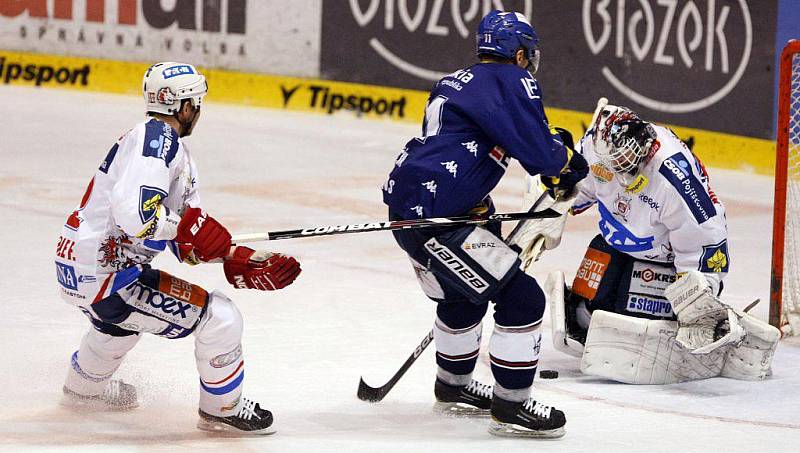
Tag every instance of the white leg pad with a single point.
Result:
(554, 291)
(640, 351)
(218, 352)
(98, 357)
(752, 358)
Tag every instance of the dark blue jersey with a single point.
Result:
(476, 120)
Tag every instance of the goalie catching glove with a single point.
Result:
(266, 271)
(704, 323)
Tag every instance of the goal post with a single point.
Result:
(784, 310)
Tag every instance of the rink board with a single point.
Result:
(328, 97)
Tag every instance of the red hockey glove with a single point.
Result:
(262, 270)
(208, 238)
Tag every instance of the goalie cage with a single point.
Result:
(784, 310)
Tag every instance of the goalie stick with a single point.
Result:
(376, 394)
(392, 225)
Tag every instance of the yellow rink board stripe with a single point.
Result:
(322, 96)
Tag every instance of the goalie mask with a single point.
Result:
(622, 140)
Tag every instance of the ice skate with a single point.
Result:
(118, 396)
(250, 420)
(525, 419)
(472, 400)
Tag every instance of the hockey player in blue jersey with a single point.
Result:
(476, 120)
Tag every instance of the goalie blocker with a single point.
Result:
(706, 339)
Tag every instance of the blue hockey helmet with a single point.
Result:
(503, 33)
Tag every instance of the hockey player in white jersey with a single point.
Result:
(142, 200)
(644, 307)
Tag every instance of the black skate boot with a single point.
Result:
(473, 400)
(525, 419)
(249, 421)
(117, 396)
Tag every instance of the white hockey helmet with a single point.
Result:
(622, 140)
(166, 84)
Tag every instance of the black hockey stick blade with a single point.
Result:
(370, 394)
(375, 394)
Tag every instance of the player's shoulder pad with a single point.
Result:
(160, 141)
(682, 171)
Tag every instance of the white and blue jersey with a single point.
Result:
(668, 214)
(128, 214)
(475, 121)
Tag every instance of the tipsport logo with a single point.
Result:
(710, 40)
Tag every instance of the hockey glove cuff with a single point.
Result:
(208, 238)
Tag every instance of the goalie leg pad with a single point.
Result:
(554, 289)
(640, 351)
(752, 358)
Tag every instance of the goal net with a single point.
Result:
(785, 284)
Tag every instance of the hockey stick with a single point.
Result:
(375, 394)
(392, 225)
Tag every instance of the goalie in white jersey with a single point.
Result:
(143, 200)
(660, 257)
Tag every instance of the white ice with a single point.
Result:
(355, 310)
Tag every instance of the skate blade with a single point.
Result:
(460, 410)
(222, 428)
(512, 430)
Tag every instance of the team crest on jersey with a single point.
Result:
(622, 206)
(150, 199)
(715, 258)
(601, 173)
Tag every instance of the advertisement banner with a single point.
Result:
(268, 36)
(705, 64)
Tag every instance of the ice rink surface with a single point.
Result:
(355, 310)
